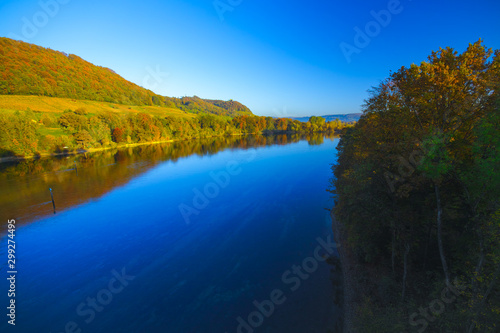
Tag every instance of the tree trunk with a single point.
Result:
(395, 216)
(393, 256)
(440, 235)
(426, 251)
(480, 261)
(407, 250)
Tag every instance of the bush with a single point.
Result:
(81, 111)
(83, 139)
(48, 121)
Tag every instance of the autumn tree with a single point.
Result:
(118, 135)
(417, 167)
(18, 135)
(83, 139)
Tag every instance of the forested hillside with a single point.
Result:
(417, 188)
(52, 102)
(28, 69)
(32, 132)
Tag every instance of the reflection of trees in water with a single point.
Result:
(25, 195)
(315, 139)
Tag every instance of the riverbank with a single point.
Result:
(79, 151)
(131, 145)
(93, 150)
(350, 272)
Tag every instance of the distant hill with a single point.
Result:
(28, 69)
(346, 118)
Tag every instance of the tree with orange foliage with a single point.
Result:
(118, 135)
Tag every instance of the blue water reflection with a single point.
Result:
(186, 246)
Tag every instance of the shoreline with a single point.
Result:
(349, 283)
(77, 151)
(93, 150)
(128, 145)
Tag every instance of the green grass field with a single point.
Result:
(12, 103)
(50, 131)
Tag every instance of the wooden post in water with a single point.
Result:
(76, 168)
(52, 196)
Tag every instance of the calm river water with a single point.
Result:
(220, 235)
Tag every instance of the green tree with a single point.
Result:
(83, 139)
(419, 167)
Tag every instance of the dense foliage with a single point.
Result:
(417, 190)
(31, 133)
(28, 69)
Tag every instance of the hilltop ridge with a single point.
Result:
(28, 69)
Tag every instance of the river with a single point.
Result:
(215, 235)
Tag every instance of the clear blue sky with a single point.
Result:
(280, 58)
